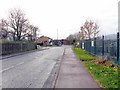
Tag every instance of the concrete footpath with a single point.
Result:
(73, 74)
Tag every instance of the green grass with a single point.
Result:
(82, 55)
(106, 76)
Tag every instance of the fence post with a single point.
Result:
(118, 53)
(103, 45)
(21, 46)
(89, 46)
(80, 43)
(84, 44)
(95, 46)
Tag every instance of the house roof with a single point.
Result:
(42, 39)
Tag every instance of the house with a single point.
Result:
(44, 41)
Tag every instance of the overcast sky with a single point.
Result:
(65, 15)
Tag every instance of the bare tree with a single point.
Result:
(89, 29)
(82, 33)
(3, 29)
(17, 22)
(30, 31)
(70, 37)
(96, 31)
(34, 30)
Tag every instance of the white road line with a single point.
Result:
(11, 67)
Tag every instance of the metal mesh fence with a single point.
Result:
(103, 47)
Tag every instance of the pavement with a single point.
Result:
(73, 74)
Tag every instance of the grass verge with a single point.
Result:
(106, 76)
(82, 55)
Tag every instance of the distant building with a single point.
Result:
(66, 42)
(57, 42)
(60, 42)
(44, 41)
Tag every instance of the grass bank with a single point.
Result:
(106, 76)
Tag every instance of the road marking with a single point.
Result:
(11, 67)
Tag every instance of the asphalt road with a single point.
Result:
(30, 70)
